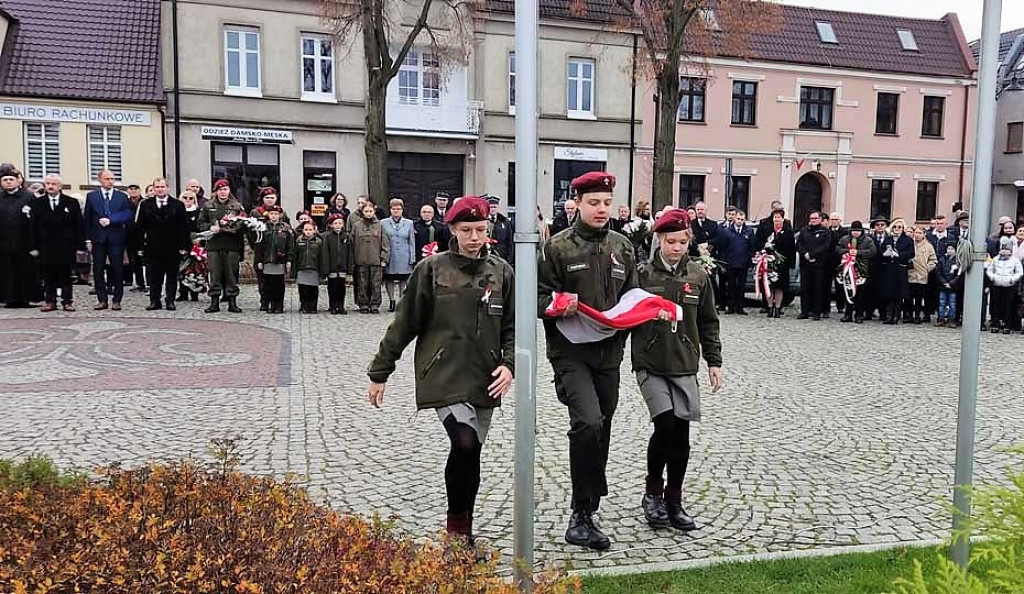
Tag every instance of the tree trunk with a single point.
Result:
(665, 147)
(376, 143)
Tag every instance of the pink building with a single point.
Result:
(856, 113)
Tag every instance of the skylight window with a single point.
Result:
(710, 19)
(826, 33)
(907, 39)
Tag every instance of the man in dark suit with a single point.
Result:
(108, 213)
(136, 269)
(164, 230)
(19, 285)
(706, 238)
(58, 232)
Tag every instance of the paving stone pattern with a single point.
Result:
(826, 434)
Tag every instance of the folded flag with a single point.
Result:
(636, 307)
(430, 249)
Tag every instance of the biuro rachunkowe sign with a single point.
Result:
(76, 114)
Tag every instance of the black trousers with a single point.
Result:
(918, 299)
(668, 450)
(57, 275)
(737, 278)
(114, 282)
(309, 296)
(811, 289)
(273, 288)
(724, 297)
(336, 292)
(135, 271)
(462, 472)
(1000, 300)
(163, 276)
(863, 301)
(592, 395)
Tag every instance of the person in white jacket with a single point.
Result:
(1004, 272)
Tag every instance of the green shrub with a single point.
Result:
(36, 471)
(997, 561)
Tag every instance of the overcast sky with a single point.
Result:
(968, 11)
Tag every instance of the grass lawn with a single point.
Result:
(842, 574)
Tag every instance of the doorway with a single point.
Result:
(417, 177)
(249, 167)
(565, 172)
(808, 198)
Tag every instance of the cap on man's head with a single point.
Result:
(268, 191)
(963, 216)
(856, 226)
(595, 181)
(221, 183)
(9, 170)
(468, 209)
(134, 187)
(493, 200)
(442, 196)
(879, 219)
(671, 221)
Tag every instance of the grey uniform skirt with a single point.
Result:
(467, 414)
(662, 393)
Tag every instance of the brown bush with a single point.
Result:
(184, 528)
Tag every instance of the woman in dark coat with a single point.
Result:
(337, 205)
(896, 253)
(777, 238)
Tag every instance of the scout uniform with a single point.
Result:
(371, 253)
(597, 265)
(260, 212)
(460, 312)
(271, 256)
(309, 263)
(339, 261)
(224, 250)
(666, 358)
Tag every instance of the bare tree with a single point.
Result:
(678, 31)
(390, 30)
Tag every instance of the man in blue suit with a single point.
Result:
(108, 214)
(736, 249)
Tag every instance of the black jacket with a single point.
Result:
(422, 230)
(784, 242)
(57, 233)
(502, 233)
(15, 224)
(163, 231)
(815, 245)
(704, 232)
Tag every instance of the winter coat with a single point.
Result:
(706, 231)
(370, 244)
(433, 232)
(1004, 271)
(952, 236)
(865, 250)
(309, 254)
(1018, 251)
(15, 222)
(57, 233)
(501, 232)
(923, 263)
(736, 248)
(461, 313)
(814, 245)
(276, 246)
(338, 248)
(892, 273)
(949, 272)
(227, 240)
(784, 241)
(402, 239)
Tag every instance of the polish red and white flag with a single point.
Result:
(636, 307)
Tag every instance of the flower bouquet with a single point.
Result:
(192, 271)
(638, 232)
(238, 223)
(768, 266)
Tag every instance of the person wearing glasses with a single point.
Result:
(895, 254)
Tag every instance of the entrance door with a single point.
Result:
(417, 177)
(318, 173)
(565, 172)
(248, 167)
(807, 199)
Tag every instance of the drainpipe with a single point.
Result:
(632, 126)
(177, 97)
(963, 143)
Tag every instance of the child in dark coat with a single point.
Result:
(338, 250)
(308, 265)
(950, 276)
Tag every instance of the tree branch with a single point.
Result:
(416, 28)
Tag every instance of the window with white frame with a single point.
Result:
(42, 149)
(104, 150)
(580, 100)
(419, 79)
(512, 81)
(242, 61)
(317, 67)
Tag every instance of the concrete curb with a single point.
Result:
(777, 556)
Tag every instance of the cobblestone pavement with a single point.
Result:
(826, 434)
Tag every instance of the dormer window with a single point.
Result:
(907, 39)
(826, 33)
(710, 19)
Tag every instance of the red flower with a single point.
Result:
(687, 288)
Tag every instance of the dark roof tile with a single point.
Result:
(106, 50)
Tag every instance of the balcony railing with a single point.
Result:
(447, 117)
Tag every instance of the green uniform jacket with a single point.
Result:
(655, 347)
(599, 266)
(309, 254)
(211, 214)
(339, 251)
(461, 313)
(276, 247)
(370, 244)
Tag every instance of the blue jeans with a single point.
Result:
(947, 304)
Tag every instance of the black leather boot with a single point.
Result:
(170, 305)
(214, 305)
(264, 305)
(233, 305)
(676, 514)
(847, 317)
(153, 305)
(584, 533)
(655, 511)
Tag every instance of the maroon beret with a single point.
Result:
(335, 217)
(672, 221)
(268, 191)
(302, 212)
(221, 183)
(272, 208)
(469, 209)
(595, 181)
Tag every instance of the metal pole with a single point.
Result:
(177, 97)
(526, 240)
(981, 207)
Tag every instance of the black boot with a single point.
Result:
(233, 305)
(154, 305)
(676, 514)
(214, 305)
(278, 307)
(584, 533)
(182, 294)
(653, 504)
(170, 305)
(847, 317)
(264, 306)
(391, 306)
